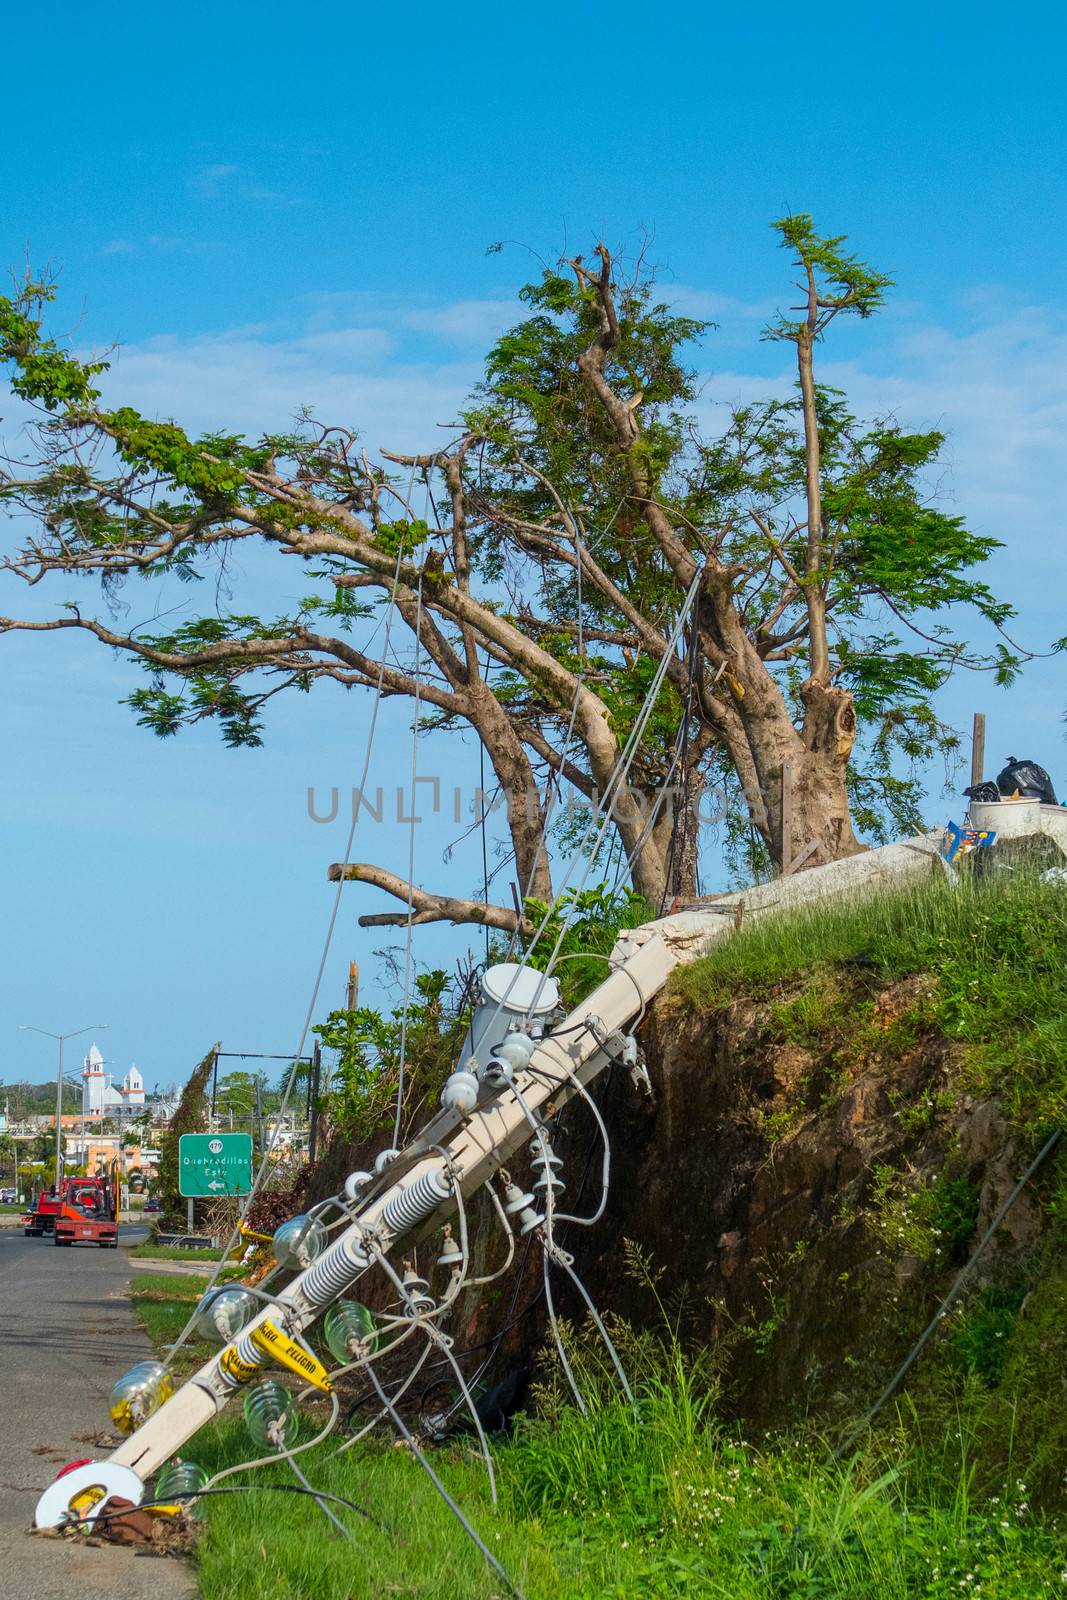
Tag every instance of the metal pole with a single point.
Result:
(92, 1027)
(59, 1118)
(313, 1110)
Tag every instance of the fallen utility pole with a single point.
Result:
(415, 1193)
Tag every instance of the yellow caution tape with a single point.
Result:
(273, 1342)
(232, 1365)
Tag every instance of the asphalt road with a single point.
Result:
(66, 1333)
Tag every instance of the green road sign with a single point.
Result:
(214, 1164)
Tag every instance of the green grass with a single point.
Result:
(995, 950)
(943, 1499)
(162, 1303)
(614, 1505)
(171, 1252)
(662, 1502)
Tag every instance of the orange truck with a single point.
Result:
(89, 1211)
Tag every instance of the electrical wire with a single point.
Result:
(552, 787)
(560, 1257)
(617, 777)
(322, 1504)
(477, 1283)
(437, 1338)
(553, 1322)
(605, 1170)
(913, 1354)
(401, 1390)
(285, 1454)
(622, 767)
(237, 1488)
(327, 942)
(405, 1433)
(411, 871)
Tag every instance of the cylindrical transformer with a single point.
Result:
(511, 996)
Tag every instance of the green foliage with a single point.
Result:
(841, 281)
(932, 1220)
(664, 1503)
(598, 916)
(190, 1116)
(41, 371)
(368, 1045)
(995, 949)
(173, 503)
(979, 1339)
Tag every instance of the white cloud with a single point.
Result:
(477, 322)
(723, 309)
(998, 387)
(224, 179)
(248, 383)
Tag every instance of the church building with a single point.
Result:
(100, 1098)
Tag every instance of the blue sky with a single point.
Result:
(264, 212)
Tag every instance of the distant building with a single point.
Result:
(100, 1098)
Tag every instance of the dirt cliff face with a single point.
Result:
(808, 1175)
(807, 1179)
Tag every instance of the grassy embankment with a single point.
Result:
(667, 1502)
(169, 1252)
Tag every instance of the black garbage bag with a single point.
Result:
(983, 791)
(1031, 781)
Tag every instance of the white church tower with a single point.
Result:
(94, 1084)
(100, 1098)
(133, 1090)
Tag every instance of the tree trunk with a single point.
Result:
(800, 801)
(525, 808)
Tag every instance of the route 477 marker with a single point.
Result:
(214, 1164)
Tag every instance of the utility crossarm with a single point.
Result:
(416, 1192)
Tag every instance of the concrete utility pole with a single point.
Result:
(91, 1027)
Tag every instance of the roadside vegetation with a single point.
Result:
(957, 1488)
(170, 1252)
(661, 1502)
(994, 947)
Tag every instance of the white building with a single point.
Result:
(100, 1098)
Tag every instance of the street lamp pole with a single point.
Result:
(90, 1027)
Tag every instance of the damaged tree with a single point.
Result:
(542, 578)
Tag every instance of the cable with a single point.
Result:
(405, 1433)
(552, 787)
(551, 1248)
(623, 765)
(323, 1507)
(380, 1413)
(560, 1258)
(617, 777)
(327, 942)
(605, 1171)
(411, 872)
(553, 1322)
(240, 1488)
(1049, 1145)
(435, 1336)
(285, 1454)
(476, 1283)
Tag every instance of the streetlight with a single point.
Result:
(91, 1027)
